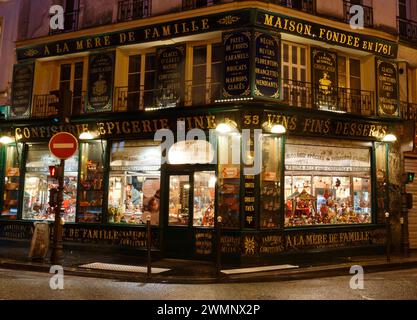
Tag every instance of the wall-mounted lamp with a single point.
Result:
(274, 128)
(389, 138)
(6, 140)
(227, 127)
(86, 136)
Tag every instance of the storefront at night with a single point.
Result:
(304, 164)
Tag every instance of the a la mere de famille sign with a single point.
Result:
(216, 22)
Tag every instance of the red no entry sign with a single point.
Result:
(63, 145)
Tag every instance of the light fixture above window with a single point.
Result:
(6, 140)
(389, 138)
(86, 136)
(274, 128)
(227, 127)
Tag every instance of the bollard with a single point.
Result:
(218, 247)
(388, 240)
(148, 245)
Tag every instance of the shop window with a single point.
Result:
(229, 181)
(11, 182)
(270, 182)
(91, 190)
(38, 184)
(179, 200)
(204, 195)
(327, 185)
(134, 185)
(206, 83)
(294, 72)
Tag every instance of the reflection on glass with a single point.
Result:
(204, 193)
(179, 196)
(362, 195)
(92, 188)
(11, 184)
(37, 185)
(134, 185)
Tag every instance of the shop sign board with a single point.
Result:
(63, 145)
(387, 88)
(237, 64)
(267, 65)
(325, 83)
(170, 76)
(273, 21)
(100, 82)
(306, 29)
(22, 90)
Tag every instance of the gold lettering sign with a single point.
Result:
(326, 34)
(329, 127)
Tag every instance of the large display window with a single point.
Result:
(91, 190)
(11, 182)
(38, 183)
(134, 185)
(327, 185)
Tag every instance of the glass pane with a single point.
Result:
(341, 185)
(303, 56)
(204, 195)
(179, 196)
(150, 62)
(285, 54)
(362, 195)
(91, 189)
(270, 182)
(37, 185)
(341, 64)
(134, 63)
(200, 55)
(79, 70)
(229, 180)
(65, 72)
(11, 183)
(134, 186)
(294, 53)
(216, 53)
(355, 68)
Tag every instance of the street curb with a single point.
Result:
(282, 275)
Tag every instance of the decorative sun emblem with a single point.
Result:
(250, 245)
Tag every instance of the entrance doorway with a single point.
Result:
(189, 204)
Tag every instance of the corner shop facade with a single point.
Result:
(323, 184)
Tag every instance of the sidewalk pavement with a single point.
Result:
(14, 256)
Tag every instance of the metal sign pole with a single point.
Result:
(56, 257)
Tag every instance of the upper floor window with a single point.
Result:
(192, 4)
(71, 14)
(368, 18)
(294, 73)
(139, 93)
(133, 9)
(206, 74)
